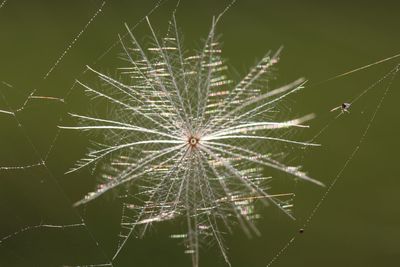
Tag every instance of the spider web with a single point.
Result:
(53, 204)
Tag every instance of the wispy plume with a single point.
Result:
(186, 141)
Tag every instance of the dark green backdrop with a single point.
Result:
(357, 225)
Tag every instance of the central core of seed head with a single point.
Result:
(193, 141)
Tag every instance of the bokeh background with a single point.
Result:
(358, 224)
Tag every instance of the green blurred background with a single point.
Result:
(357, 225)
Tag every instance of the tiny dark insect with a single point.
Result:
(343, 107)
(301, 230)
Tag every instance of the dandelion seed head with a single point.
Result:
(186, 142)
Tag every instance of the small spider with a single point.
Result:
(343, 107)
